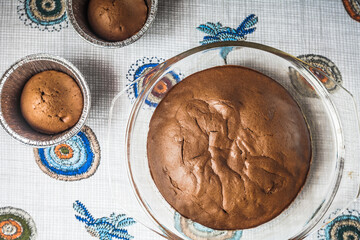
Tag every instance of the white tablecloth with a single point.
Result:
(300, 27)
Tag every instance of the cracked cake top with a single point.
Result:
(117, 20)
(229, 148)
(51, 102)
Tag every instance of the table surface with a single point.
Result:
(35, 192)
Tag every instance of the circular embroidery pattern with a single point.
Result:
(325, 65)
(320, 65)
(140, 71)
(76, 159)
(353, 8)
(346, 226)
(47, 15)
(16, 224)
(195, 231)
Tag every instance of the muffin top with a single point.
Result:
(117, 20)
(229, 148)
(51, 102)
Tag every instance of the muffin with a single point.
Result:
(229, 148)
(117, 20)
(51, 102)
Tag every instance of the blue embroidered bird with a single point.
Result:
(105, 228)
(218, 33)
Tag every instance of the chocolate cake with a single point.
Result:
(229, 148)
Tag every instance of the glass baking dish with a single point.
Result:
(330, 112)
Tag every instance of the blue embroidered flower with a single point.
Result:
(218, 33)
(75, 159)
(139, 75)
(106, 228)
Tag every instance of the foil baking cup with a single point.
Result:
(76, 11)
(11, 85)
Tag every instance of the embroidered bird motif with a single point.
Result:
(216, 32)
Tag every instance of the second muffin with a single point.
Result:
(117, 20)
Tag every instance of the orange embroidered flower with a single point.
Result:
(10, 230)
(351, 9)
(64, 151)
(161, 87)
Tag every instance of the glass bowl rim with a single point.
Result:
(159, 70)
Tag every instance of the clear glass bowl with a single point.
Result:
(328, 108)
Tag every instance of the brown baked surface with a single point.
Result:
(117, 20)
(229, 148)
(51, 102)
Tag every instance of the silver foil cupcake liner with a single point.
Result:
(76, 11)
(11, 85)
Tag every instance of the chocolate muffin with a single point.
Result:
(117, 20)
(229, 148)
(51, 102)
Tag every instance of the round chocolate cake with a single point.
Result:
(229, 148)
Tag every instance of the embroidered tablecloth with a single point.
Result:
(40, 199)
